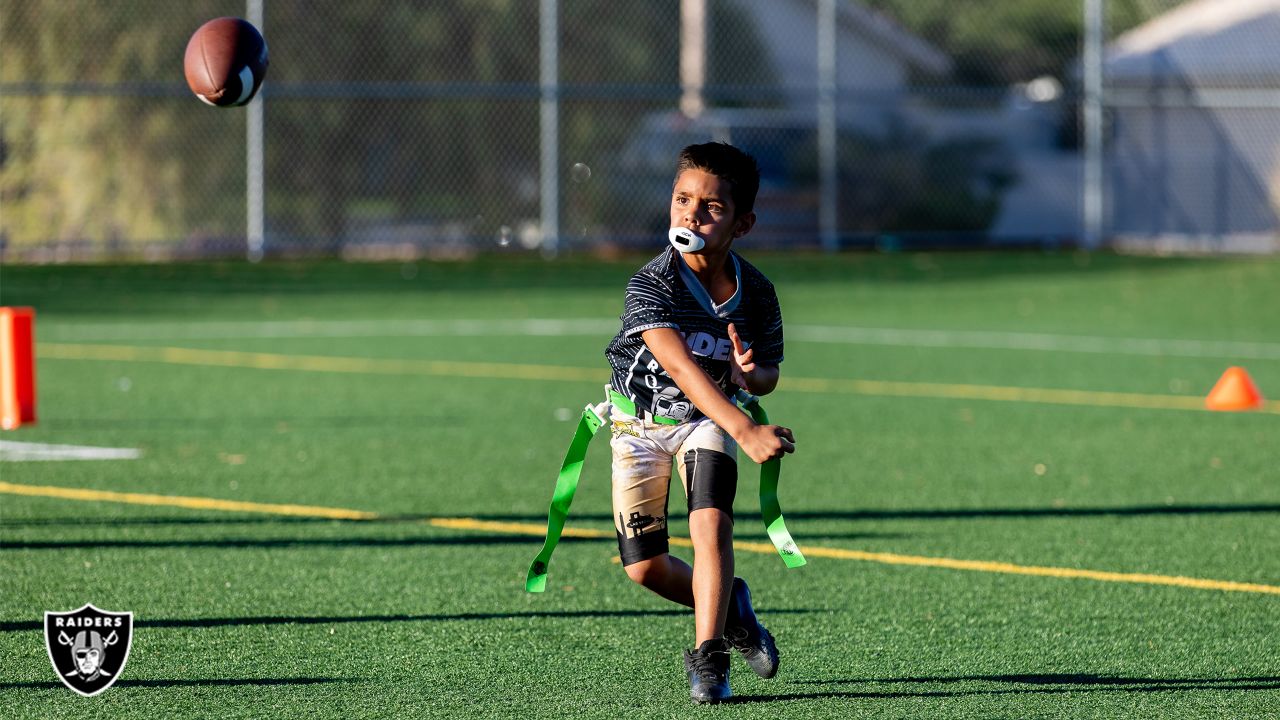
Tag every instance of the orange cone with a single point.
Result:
(1235, 391)
(17, 367)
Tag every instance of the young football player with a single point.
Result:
(698, 322)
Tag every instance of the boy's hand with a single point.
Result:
(741, 362)
(766, 442)
(745, 372)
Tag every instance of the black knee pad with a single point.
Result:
(713, 479)
(642, 547)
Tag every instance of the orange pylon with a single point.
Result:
(1235, 391)
(17, 367)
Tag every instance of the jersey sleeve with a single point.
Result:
(648, 305)
(768, 348)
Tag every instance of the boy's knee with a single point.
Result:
(713, 519)
(647, 572)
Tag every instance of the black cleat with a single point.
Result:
(708, 669)
(745, 633)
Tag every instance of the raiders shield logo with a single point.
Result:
(88, 647)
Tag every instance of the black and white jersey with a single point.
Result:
(666, 293)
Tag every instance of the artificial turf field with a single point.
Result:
(1009, 410)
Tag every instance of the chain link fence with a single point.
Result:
(406, 129)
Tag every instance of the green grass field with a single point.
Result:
(1026, 411)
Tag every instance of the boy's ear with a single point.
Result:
(743, 224)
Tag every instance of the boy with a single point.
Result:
(698, 322)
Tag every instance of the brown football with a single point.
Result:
(226, 61)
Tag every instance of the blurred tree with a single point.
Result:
(395, 113)
(999, 43)
(429, 111)
(99, 167)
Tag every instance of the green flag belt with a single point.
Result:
(593, 417)
(562, 497)
(770, 511)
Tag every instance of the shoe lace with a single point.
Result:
(739, 637)
(704, 665)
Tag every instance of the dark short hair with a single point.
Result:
(728, 163)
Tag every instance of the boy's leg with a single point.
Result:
(669, 577)
(711, 530)
(708, 469)
(641, 485)
(709, 472)
(710, 478)
(672, 579)
(706, 587)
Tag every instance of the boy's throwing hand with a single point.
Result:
(766, 442)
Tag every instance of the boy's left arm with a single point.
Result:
(756, 378)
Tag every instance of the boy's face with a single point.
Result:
(703, 203)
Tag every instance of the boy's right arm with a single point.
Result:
(759, 442)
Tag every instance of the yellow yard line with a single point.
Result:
(193, 503)
(516, 371)
(995, 392)
(316, 363)
(1010, 568)
(513, 528)
(537, 530)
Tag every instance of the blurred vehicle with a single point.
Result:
(906, 180)
(781, 141)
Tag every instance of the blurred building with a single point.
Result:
(876, 58)
(1191, 138)
(1194, 128)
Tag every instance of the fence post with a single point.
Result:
(693, 57)
(828, 198)
(255, 187)
(1092, 72)
(550, 125)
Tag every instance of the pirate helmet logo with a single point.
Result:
(88, 647)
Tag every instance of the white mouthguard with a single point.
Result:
(685, 240)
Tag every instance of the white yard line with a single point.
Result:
(601, 327)
(11, 451)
